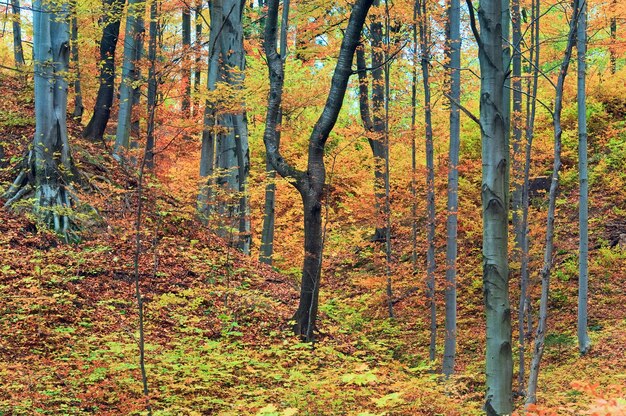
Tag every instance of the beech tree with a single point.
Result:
(133, 46)
(495, 195)
(18, 51)
(111, 16)
(225, 152)
(554, 186)
(309, 183)
(49, 168)
(454, 55)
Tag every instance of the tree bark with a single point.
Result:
(152, 83)
(267, 236)
(133, 45)
(531, 398)
(495, 194)
(49, 165)
(18, 50)
(584, 344)
(230, 139)
(198, 52)
(454, 55)
(186, 26)
(108, 44)
(310, 184)
(78, 95)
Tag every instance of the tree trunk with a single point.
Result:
(49, 164)
(531, 398)
(198, 52)
(267, 236)
(152, 83)
(613, 53)
(133, 45)
(495, 194)
(310, 184)
(104, 99)
(430, 168)
(18, 51)
(454, 54)
(186, 26)
(78, 95)
(583, 278)
(230, 138)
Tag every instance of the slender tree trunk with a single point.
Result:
(230, 140)
(49, 165)
(198, 52)
(548, 253)
(414, 143)
(186, 25)
(133, 44)
(388, 259)
(454, 54)
(583, 277)
(108, 44)
(267, 236)
(152, 83)
(613, 44)
(78, 95)
(18, 51)
(495, 186)
(424, 32)
(310, 184)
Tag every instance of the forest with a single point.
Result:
(303, 207)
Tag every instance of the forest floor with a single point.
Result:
(218, 338)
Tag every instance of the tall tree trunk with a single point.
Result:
(583, 277)
(424, 32)
(374, 119)
(387, 184)
(454, 54)
(548, 252)
(49, 164)
(186, 25)
(230, 138)
(613, 43)
(198, 52)
(518, 184)
(18, 51)
(310, 184)
(78, 95)
(108, 44)
(267, 235)
(133, 45)
(495, 194)
(524, 314)
(152, 83)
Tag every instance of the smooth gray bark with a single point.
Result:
(495, 195)
(186, 29)
(225, 135)
(584, 343)
(152, 83)
(310, 184)
(18, 50)
(424, 35)
(454, 55)
(133, 44)
(267, 235)
(549, 248)
(49, 165)
(78, 95)
(197, 73)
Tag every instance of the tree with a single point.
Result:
(49, 167)
(225, 134)
(583, 274)
(152, 82)
(531, 397)
(104, 99)
(133, 45)
(495, 195)
(267, 235)
(18, 51)
(454, 55)
(78, 95)
(186, 25)
(310, 183)
(373, 117)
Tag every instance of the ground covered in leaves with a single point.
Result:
(218, 338)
